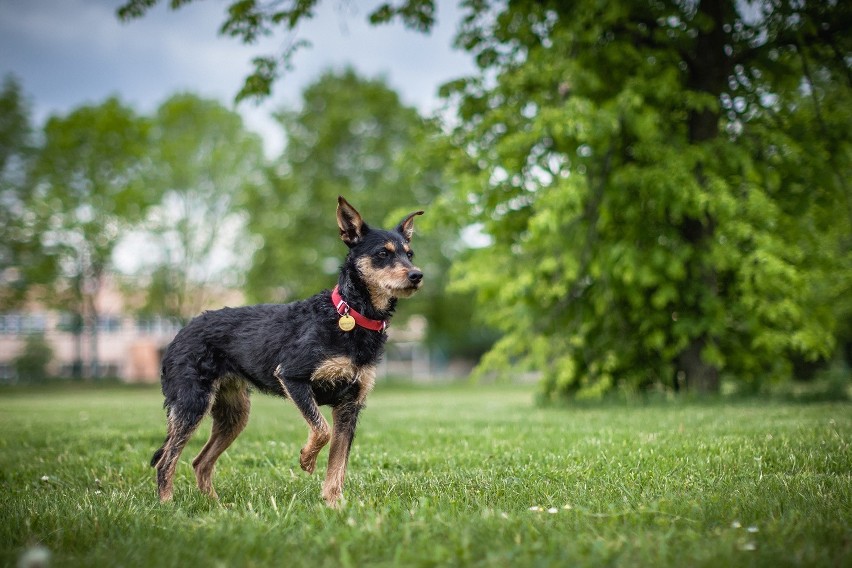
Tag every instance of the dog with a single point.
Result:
(319, 351)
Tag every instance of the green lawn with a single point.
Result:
(446, 476)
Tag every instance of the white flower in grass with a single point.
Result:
(736, 525)
(45, 478)
(753, 529)
(536, 508)
(553, 510)
(34, 557)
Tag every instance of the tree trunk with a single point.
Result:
(709, 68)
(92, 291)
(94, 361)
(693, 373)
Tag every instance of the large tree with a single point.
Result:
(665, 183)
(23, 261)
(350, 137)
(353, 136)
(203, 163)
(87, 190)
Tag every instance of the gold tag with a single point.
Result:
(346, 322)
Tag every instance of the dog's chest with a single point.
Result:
(341, 370)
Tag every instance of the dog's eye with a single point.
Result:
(382, 254)
(410, 255)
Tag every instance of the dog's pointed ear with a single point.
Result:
(406, 226)
(352, 226)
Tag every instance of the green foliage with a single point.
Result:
(24, 263)
(32, 363)
(203, 162)
(349, 138)
(87, 190)
(353, 137)
(89, 185)
(665, 185)
(437, 477)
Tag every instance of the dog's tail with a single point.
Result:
(159, 453)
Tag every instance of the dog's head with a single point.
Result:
(383, 258)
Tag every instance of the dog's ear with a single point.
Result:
(406, 226)
(352, 226)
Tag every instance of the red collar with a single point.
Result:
(343, 308)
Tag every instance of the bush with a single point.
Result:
(31, 365)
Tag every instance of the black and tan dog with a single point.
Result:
(318, 351)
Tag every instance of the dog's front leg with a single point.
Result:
(345, 416)
(302, 395)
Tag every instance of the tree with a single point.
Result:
(352, 137)
(31, 365)
(204, 162)
(665, 184)
(349, 138)
(87, 190)
(23, 262)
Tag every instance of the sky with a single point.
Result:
(67, 53)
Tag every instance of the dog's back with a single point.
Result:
(245, 342)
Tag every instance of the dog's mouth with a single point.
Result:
(405, 290)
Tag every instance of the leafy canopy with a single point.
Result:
(206, 162)
(664, 184)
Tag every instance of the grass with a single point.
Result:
(451, 476)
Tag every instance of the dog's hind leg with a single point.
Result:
(230, 414)
(302, 395)
(184, 416)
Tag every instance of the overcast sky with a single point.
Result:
(70, 52)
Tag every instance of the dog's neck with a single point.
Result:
(357, 294)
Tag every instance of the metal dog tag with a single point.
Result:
(346, 322)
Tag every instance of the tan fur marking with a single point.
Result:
(367, 379)
(335, 369)
(384, 284)
(390, 247)
(343, 369)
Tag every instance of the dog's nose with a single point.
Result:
(415, 276)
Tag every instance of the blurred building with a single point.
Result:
(130, 347)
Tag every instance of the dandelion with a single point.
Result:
(567, 507)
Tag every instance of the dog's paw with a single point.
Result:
(307, 460)
(334, 499)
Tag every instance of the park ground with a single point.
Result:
(442, 476)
